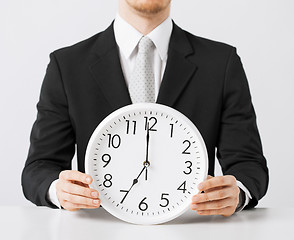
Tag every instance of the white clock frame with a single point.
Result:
(106, 139)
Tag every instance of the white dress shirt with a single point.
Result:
(127, 39)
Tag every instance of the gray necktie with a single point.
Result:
(141, 85)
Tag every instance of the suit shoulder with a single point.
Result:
(80, 49)
(209, 46)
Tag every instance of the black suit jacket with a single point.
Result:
(84, 83)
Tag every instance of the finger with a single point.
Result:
(74, 207)
(216, 182)
(81, 184)
(76, 199)
(79, 190)
(212, 195)
(213, 205)
(224, 212)
(72, 175)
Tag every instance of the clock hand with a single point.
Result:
(146, 162)
(135, 181)
(146, 174)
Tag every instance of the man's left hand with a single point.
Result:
(218, 196)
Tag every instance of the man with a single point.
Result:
(86, 82)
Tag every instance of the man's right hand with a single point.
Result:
(73, 191)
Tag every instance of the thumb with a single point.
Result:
(209, 177)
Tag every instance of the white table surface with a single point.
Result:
(41, 223)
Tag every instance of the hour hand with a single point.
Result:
(135, 181)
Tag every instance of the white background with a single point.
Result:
(261, 30)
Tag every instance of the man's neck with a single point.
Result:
(144, 23)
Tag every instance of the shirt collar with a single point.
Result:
(127, 37)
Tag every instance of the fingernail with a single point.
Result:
(94, 194)
(200, 186)
(96, 202)
(88, 180)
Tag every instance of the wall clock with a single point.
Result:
(146, 161)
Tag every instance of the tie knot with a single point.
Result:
(145, 44)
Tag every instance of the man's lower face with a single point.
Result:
(149, 6)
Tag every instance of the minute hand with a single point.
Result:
(146, 162)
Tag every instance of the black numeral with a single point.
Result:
(182, 187)
(107, 181)
(171, 129)
(152, 120)
(126, 193)
(142, 205)
(134, 126)
(114, 141)
(189, 144)
(189, 167)
(106, 158)
(166, 201)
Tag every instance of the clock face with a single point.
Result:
(146, 161)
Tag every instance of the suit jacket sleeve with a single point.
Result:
(239, 147)
(52, 139)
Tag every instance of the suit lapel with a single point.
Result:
(108, 73)
(179, 70)
(107, 70)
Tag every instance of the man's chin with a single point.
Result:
(149, 7)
